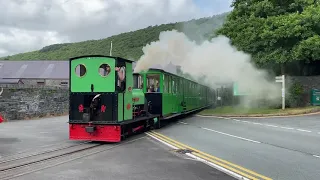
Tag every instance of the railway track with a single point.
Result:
(12, 167)
(33, 152)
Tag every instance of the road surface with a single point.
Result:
(143, 159)
(279, 148)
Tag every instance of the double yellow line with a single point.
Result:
(212, 159)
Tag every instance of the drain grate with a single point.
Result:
(183, 151)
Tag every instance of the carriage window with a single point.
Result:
(137, 81)
(166, 84)
(153, 82)
(81, 70)
(104, 70)
(173, 86)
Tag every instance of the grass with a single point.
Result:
(241, 111)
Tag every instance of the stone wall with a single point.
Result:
(19, 102)
(308, 83)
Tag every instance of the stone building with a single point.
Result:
(48, 73)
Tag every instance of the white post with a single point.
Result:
(111, 49)
(283, 92)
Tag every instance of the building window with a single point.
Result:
(64, 83)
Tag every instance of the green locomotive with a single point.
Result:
(109, 102)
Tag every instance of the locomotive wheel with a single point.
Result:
(145, 107)
(124, 135)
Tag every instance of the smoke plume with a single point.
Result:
(217, 60)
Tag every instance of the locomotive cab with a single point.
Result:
(96, 84)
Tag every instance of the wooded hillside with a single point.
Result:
(128, 45)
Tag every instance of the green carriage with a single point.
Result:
(171, 95)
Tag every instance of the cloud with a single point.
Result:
(27, 25)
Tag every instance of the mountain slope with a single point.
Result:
(128, 45)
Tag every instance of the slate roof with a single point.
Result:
(47, 70)
(34, 69)
(9, 81)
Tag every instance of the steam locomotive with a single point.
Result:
(108, 102)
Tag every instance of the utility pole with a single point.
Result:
(281, 79)
(111, 49)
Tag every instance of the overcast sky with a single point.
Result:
(27, 25)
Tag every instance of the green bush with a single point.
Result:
(295, 98)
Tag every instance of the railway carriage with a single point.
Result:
(108, 102)
(171, 95)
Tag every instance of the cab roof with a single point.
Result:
(114, 57)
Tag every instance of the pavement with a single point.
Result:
(144, 159)
(279, 148)
(29, 135)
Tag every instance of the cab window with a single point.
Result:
(137, 81)
(153, 81)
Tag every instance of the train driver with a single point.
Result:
(157, 87)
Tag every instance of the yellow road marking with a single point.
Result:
(203, 154)
(152, 134)
(204, 157)
(225, 166)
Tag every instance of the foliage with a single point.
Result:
(275, 31)
(296, 92)
(128, 45)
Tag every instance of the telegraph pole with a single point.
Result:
(111, 49)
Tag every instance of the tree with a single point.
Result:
(274, 31)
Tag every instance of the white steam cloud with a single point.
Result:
(217, 60)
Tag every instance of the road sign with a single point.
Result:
(281, 79)
(239, 91)
(315, 97)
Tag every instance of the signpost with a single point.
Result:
(281, 79)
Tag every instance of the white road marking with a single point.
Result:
(183, 122)
(231, 173)
(270, 125)
(246, 121)
(286, 128)
(316, 156)
(171, 146)
(255, 123)
(303, 130)
(238, 137)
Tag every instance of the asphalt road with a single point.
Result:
(279, 148)
(28, 135)
(143, 159)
